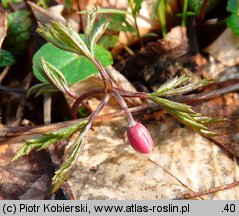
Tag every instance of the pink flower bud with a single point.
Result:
(140, 138)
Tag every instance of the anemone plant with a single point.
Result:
(67, 39)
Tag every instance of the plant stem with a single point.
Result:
(129, 94)
(108, 11)
(185, 7)
(80, 100)
(125, 108)
(97, 110)
(203, 11)
(161, 13)
(137, 32)
(104, 74)
(90, 122)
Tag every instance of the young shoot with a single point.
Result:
(67, 39)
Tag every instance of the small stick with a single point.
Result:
(47, 108)
(223, 146)
(211, 190)
(10, 90)
(4, 73)
(20, 109)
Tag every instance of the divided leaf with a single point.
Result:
(64, 37)
(90, 23)
(40, 89)
(66, 167)
(186, 115)
(183, 112)
(53, 76)
(49, 138)
(93, 31)
(174, 83)
(97, 34)
(170, 88)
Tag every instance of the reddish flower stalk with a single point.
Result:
(80, 100)
(138, 135)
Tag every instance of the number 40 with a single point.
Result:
(230, 208)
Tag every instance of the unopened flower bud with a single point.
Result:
(140, 138)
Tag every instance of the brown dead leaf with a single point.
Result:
(226, 106)
(46, 15)
(3, 26)
(174, 45)
(22, 177)
(146, 23)
(38, 190)
(225, 48)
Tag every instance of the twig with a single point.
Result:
(4, 73)
(47, 108)
(165, 170)
(20, 109)
(10, 90)
(8, 132)
(224, 147)
(211, 190)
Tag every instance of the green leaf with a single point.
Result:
(40, 89)
(183, 112)
(18, 32)
(233, 23)
(64, 37)
(186, 115)
(47, 139)
(93, 30)
(43, 3)
(73, 67)
(196, 5)
(108, 41)
(185, 89)
(90, 23)
(97, 34)
(68, 5)
(108, 11)
(5, 3)
(177, 81)
(65, 169)
(188, 13)
(232, 6)
(53, 75)
(119, 23)
(6, 58)
(137, 7)
(173, 105)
